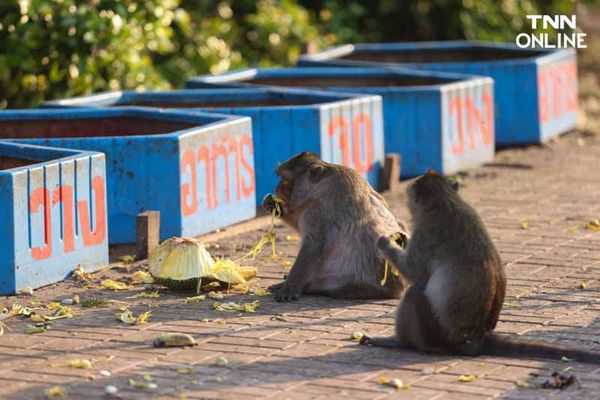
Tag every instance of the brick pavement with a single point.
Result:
(303, 350)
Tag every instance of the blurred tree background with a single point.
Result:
(53, 49)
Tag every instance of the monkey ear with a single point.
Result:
(455, 185)
(315, 172)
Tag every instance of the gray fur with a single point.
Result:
(339, 218)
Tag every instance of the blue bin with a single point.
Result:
(342, 128)
(535, 92)
(197, 170)
(437, 120)
(52, 213)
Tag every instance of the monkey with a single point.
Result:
(456, 282)
(339, 217)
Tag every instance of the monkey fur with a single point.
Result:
(339, 217)
(456, 282)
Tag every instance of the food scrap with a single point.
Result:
(142, 277)
(249, 307)
(174, 340)
(466, 378)
(114, 285)
(127, 317)
(394, 382)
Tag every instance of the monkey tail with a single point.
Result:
(504, 346)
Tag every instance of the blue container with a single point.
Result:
(344, 129)
(536, 89)
(197, 170)
(437, 120)
(52, 213)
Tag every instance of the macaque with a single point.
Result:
(339, 217)
(456, 282)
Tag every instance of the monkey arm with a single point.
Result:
(397, 256)
(303, 270)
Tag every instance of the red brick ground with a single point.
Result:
(303, 350)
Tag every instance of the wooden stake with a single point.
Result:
(147, 233)
(390, 173)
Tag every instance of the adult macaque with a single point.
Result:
(457, 282)
(339, 217)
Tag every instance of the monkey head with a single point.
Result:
(429, 190)
(298, 175)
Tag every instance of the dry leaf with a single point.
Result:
(114, 285)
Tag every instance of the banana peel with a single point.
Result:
(174, 340)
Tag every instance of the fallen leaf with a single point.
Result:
(524, 225)
(114, 285)
(466, 378)
(54, 391)
(142, 277)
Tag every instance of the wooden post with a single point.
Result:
(147, 233)
(389, 177)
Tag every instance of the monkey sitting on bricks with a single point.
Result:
(339, 217)
(457, 282)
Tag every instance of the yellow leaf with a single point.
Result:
(114, 285)
(142, 277)
(466, 378)
(524, 225)
(54, 391)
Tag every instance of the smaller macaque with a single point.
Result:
(339, 217)
(457, 282)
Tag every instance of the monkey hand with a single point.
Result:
(283, 292)
(269, 203)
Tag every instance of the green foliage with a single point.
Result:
(60, 48)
